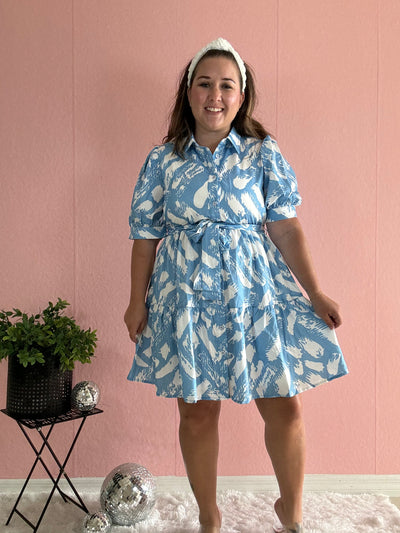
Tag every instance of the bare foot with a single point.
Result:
(204, 528)
(285, 527)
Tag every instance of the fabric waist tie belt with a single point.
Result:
(212, 237)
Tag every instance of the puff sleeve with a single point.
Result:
(280, 184)
(146, 219)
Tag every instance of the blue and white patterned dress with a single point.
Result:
(226, 318)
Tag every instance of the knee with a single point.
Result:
(199, 416)
(278, 410)
(293, 410)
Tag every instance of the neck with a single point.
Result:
(210, 139)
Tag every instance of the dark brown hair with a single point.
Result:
(182, 122)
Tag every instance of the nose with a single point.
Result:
(215, 94)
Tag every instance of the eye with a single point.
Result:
(204, 84)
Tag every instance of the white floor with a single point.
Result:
(243, 512)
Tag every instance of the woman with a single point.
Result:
(215, 313)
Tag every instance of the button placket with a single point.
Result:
(213, 190)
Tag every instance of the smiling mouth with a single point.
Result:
(214, 109)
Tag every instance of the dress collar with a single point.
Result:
(234, 138)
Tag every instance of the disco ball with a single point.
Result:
(128, 494)
(99, 522)
(85, 395)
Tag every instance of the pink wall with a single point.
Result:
(85, 88)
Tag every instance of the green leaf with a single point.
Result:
(49, 333)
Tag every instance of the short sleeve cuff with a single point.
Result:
(147, 232)
(280, 213)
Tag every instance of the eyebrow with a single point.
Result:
(223, 79)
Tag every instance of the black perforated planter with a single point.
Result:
(38, 391)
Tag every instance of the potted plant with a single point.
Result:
(42, 350)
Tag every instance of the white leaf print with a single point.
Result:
(157, 193)
(333, 365)
(312, 347)
(241, 182)
(167, 368)
(318, 367)
(235, 205)
(146, 205)
(201, 196)
(209, 260)
(165, 350)
(190, 252)
(291, 320)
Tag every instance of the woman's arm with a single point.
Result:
(142, 262)
(289, 238)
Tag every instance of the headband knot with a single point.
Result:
(218, 44)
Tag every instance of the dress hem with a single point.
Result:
(305, 388)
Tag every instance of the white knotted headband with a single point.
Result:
(218, 44)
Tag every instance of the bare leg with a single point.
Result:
(285, 442)
(198, 435)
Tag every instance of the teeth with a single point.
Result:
(214, 109)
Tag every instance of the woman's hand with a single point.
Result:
(326, 309)
(136, 319)
(142, 262)
(289, 238)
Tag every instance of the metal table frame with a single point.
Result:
(50, 423)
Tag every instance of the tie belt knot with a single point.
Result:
(207, 232)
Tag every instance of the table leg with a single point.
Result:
(38, 458)
(61, 466)
(62, 471)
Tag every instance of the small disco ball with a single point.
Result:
(128, 494)
(85, 395)
(99, 522)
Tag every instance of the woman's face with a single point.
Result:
(215, 97)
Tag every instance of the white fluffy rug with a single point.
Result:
(243, 512)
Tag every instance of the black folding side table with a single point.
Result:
(49, 424)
